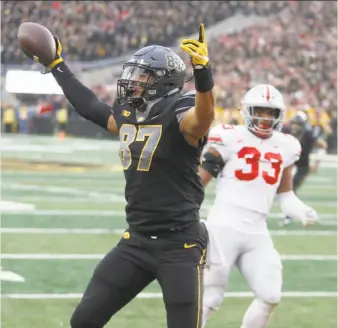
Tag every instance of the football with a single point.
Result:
(37, 42)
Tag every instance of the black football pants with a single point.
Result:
(302, 172)
(175, 258)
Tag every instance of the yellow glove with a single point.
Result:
(58, 59)
(197, 49)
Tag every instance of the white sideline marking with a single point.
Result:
(159, 295)
(41, 256)
(120, 231)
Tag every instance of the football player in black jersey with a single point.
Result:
(310, 138)
(162, 133)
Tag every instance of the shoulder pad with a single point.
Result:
(189, 93)
(215, 135)
(294, 149)
(185, 102)
(220, 133)
(115, 108)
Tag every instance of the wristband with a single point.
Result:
(204, 80)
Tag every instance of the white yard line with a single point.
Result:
(50, 198)
(111, 213)
(53, 198)
(120, 231)
(310, 257)
(302, 233)
(327, 222)
(323, 219)
(37, 256)
(69, 296)
(68, 213)
(90, 194)
(61, 231)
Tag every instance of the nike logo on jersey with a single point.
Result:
(189, 246)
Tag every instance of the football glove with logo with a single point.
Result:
(197, 50)
(58, 58)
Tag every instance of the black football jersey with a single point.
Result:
(163, 189)
(307, 141)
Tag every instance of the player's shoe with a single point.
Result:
(285, 222)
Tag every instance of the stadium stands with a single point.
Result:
(92, 30)
(296, 51)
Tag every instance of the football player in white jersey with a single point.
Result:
(252, 164)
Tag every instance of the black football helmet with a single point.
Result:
(151, 73)
(298, 124)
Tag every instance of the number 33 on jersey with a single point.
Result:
(253, 167)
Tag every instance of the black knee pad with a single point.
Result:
(79, 320)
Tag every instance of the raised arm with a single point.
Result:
(198, 119)
(83, 99)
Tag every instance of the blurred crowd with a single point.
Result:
(91, 30)
(296, 51)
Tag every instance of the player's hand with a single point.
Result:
(58, 57)
(310, 217)
(197, 49)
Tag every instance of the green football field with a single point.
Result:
(63, 209)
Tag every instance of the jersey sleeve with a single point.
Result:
(83, 100)
(217, 139)
(294, 150)
(184, 103)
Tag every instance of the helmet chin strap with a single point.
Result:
(142, 105)
(138, 103)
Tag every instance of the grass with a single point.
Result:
(77, 198)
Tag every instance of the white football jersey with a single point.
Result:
(247, 185)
